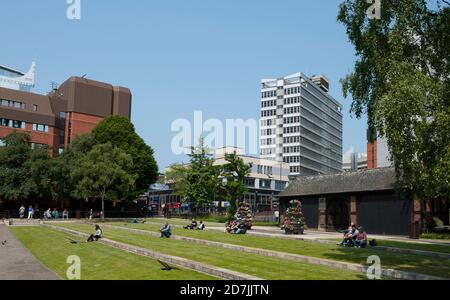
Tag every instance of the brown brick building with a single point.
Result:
(75, 108)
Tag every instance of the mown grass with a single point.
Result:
(98, 262)
(247, 263)
(399, 261)
(415, 246)
(386, 243)
(445, 236)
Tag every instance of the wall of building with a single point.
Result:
(378, 212)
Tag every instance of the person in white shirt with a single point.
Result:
(201, 226)
(277, 216)
(97, 235)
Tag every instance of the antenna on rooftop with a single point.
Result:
(84, 76)
(54, 86)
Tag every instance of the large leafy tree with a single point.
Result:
(401, 81)
(235, 171)
(23, 171)
(103, 173)
(120, 132)
(61, 184)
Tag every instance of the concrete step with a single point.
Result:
(23, 222)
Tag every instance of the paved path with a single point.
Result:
(17, 263)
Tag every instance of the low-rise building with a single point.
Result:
(266, 180)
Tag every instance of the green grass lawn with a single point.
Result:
(415, 246)
(252, 264)
(444, 236)
(185, 222)
(399, 261)
(98, 262)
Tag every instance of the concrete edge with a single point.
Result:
(181, 262)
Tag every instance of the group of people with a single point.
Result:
(235, 227)
(48, 214)
(355, 237)
(54, 214)
(195, 226)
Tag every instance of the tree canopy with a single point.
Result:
(103, 173)
(401, 81)
(235, 171)
(23, 170)
(120, 132)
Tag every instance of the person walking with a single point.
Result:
(65, 214)
(30, 212)
(22, 212)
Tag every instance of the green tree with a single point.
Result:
(120, 132)
(23, 171)
(61, 184)
(401, 81)
(202, 177)
(235, 171)
(176, 177)
(103, 173)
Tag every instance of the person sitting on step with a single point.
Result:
(201, 226)
(361, 238)
(192, 226)
(97, 235)
(166, 231)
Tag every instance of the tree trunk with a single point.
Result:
(103, 208)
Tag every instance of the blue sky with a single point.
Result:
(178, 56)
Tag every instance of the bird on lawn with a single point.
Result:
(72, 241)
(166, 266)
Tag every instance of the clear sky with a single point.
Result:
(178, 56)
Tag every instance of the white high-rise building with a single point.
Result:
(301, 124)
